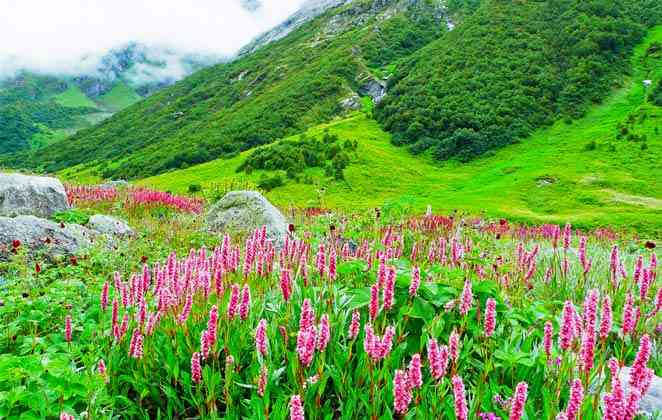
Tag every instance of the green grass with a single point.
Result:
(119, 97)
(74, 97)
(615, 184)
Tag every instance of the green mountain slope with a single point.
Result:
(289, 84)
(603, 169)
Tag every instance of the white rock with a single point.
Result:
(31, 195)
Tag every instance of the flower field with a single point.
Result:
(354, 316)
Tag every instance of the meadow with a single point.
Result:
(381, 314)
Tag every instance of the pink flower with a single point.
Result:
(547, 339)
(101, 368)
(374, 301)
(606, 321)
(262, 381)
(575, 401)
(245, 305)
(306, 340)
(645, 284)
(115, 313)
(591, 310)
(321, 260)
(332, 264)
(324, 333)
(401, 392)
(136, 345)
(389, 289)
(461, 410)
(466, 298)
(369, 340)
(628, 315)
(307, 317)
(296, 408)
(638, 265)
(490, 317)
(437, 358)
(415, 281)
(212, 326)
(454, 346)
(186, 310)
(196, 371)
(233, 304)
(261, 337)
(104, 296)
(66, 416)
(517, 407)
(204, 345)
(354, 325)
(638, 371)
(67, 328)
(414, 372)
(587, 351)
(567, 236)
(285, 284)
(566, 335)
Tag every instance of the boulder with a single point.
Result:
(352, 102)
(109, 225)
(31, 195)
(376, 89)
(244, 211)
(118, 183)
(52, 239)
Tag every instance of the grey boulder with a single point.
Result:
(43, 236)
(31, 195)
(244, 211)
(109, 225)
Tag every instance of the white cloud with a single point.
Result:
(69, 36)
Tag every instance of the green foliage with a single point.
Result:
(269, 183)
(72, 216)
(656, 95)
(194, 188)
(510, 68)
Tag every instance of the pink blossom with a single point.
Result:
(67, 328)
(401, 392)
(196, 371)
(136, 345)
(245, 305)
(307, 317)
(587, 351)
(437, 358)
(638, 371)
(66, 416)
(467, 298)
(547, 339)
(354, 325)
(389, 288)
(575, 401)
(324, 333)
(186, 310)
(306, 340)
(104, 296)
(262, 381)
(517, 406)
(101, 367)
(415, 281)
(490, 317)
(332, 264)
(296, 408)
(374, 301)
(606, 321)
(261, 337)
(566, 335)
(461, 410)
(233, 304)
(285, 284)
(454, 346)
(414, 372)
(212, 325)
(628, 315)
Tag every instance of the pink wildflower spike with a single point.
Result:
(66, 416)
(415, 281)
(67, 329)
(285, 284)
(567, 236)
(632, 405)
(374, 301)
(628, 315)
(354, 325)
(381, 271)
(437, 358)
(321, 260)
(115, 313)
(296, 408)
(575, 401)
(196, 371)
(638, 266)
(136, 345)
(645, 284)
(245, 305)
(614, 265)
(606, 321)
(466, 298)
(519, 400)
(369, 340)
(212, 325)
(101, 368)
(587, 351)
(332, 264)
(389, 288)
(638, 372)
(104, 296)
(454, 346)
(204, 345)
(547, 339)
(566, 335)
(233, 304)
(307, 317)
(490, 317)
(262, 381)
(324, 333)
(461, 410)
(261, 337)
(591, 310)
(401, 392)
(306, 340)
(414, 372)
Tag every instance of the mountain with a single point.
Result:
(37, 109)
(309, 76)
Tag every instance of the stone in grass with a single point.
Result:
(41, 236)
(31, 195)
(241, 212)
(109, 225)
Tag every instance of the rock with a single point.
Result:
(31, 195)
(353, 102)
(41, 235)
(375, 89)
(118, 183)
(243, 212)
(109, 225)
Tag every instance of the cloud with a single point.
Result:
(70, 36)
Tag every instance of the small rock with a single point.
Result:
(353, 102)
(243, 212)
(31, 195)
(41, 235)
(109, 225)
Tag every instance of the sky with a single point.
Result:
(69, 36)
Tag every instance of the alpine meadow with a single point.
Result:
(375, 209)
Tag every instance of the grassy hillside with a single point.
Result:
(119, 97)
(74, 97)
(587, 172)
